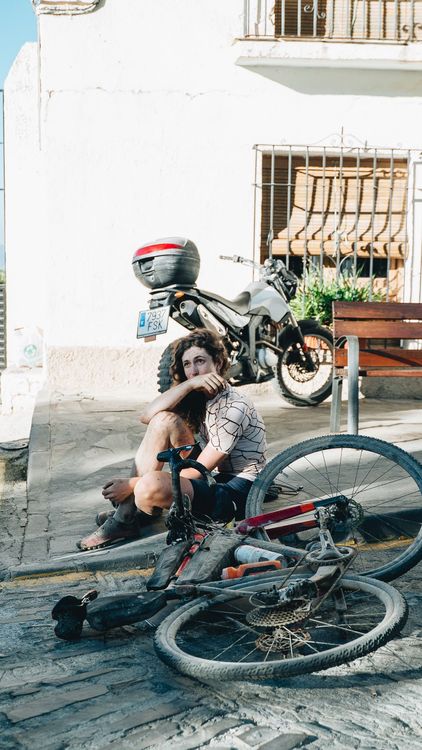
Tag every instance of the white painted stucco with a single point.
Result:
(137, 120)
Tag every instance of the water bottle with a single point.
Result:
(248, 554)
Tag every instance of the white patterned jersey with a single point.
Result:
(233, 426)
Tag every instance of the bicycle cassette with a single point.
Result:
(279, 614)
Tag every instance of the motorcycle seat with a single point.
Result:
(240, 304)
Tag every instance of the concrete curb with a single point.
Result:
(39, 452)
(141, 553)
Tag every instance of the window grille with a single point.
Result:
(335, 208)
(359, 20)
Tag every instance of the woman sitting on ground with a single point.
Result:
(231, 431)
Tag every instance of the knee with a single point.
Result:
(150, 490)
(164, 421)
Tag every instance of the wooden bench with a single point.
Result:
(375, 333)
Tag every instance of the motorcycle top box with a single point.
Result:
(171, 260)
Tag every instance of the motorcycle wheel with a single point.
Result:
(164, 380)
(293, 381)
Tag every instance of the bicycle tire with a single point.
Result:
(389, 534)
(182, 639)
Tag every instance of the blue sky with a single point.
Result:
(18, 25)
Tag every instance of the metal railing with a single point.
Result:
(340, 210)
(397, 21)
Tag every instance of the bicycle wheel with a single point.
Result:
(382, 485)
(237, 639)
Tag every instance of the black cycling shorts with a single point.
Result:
(223, 501)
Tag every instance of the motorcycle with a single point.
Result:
(263, 338)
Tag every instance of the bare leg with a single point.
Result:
(165, 429)
(154, 491)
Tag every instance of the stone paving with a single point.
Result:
(111, 690)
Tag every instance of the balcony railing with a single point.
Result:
(397, 21)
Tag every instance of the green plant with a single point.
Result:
(2, 276)
(316, 293)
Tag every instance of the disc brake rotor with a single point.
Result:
(354, 514)
(297, 368)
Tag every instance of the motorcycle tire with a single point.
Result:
(164, 380)
(293, 382)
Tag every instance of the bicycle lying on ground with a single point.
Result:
(273, 597)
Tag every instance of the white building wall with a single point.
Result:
(146, 129)
(24, 203)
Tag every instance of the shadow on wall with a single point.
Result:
(315, 79)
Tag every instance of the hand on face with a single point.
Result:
(210, 384)
(202, 372)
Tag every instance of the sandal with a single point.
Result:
(103, 516)
(109, 533)
(141, 519)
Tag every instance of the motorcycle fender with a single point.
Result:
(288, 336)
(289, 333)
(308, 324)
(162, 299)
(183, 310)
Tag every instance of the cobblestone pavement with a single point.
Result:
(111, 690)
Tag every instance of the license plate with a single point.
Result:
(153, 322)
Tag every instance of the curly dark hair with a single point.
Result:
(192, 408)
(203, 339)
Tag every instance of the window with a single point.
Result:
(336, 208)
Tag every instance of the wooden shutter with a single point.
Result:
(342, 202)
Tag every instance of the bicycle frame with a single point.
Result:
(275, 521)
(297, 619)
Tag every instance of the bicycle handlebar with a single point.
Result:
(190, 463)
(177, 464)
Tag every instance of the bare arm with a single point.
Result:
(165, 401)
(210, 384)
(209, 457)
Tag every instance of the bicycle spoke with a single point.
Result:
(343, 628)
(231, 645)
